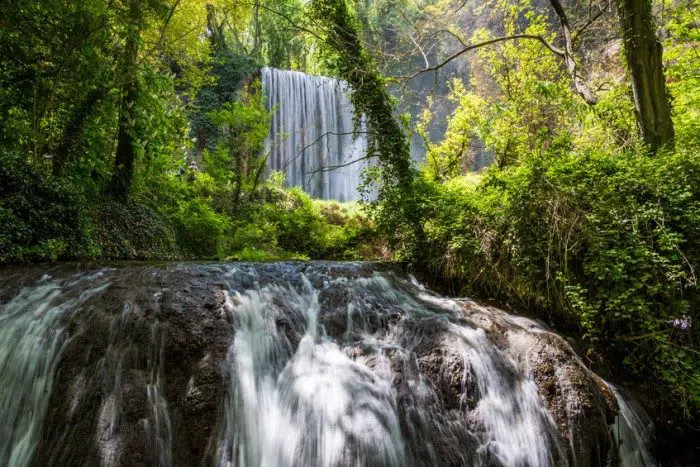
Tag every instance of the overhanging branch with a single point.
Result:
(468, 48)
(566, 53)
(569, 59)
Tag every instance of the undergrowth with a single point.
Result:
(603, 243)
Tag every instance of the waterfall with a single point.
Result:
(515, 419)
(278, 364)
(312, 406)
(32, 339)
(311, 134)
(631, 432)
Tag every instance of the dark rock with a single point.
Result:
(157, 339)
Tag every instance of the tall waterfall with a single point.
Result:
(284, 364)
(311, 134)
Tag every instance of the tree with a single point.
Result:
(398, 200)
(566, 53)
(239, 157)
(126, 151)
(643, 52)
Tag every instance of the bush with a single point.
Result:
(44, 218)
(601, 242)
(41, 218)
(132, 231)
(199, 229)
(288, 224)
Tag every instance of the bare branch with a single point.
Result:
(328, 168)
(290, 21)
(420, 49)
(496, 40)
(332, 133)
(590, 21)
(569, 59)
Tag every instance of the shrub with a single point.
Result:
(132, 231)
(603, 242)
(41, 218)
(199, 229)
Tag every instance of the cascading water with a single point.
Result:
(631, 432)
(319, 364)
(312, 405)
(32, 338)
(513, 415)
(312, 140)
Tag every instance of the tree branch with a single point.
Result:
(328, 168)
(496, 40)
(166, 23)
(290, 21)
(328, 133)
(569, 59)
(590, 21)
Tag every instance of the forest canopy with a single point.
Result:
(557, 166)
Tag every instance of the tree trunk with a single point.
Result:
(216, 31)
(74, 128)
(643, 52)
(126, 152)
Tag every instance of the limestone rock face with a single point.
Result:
(580, 403)
(290, 364)
(140, 381)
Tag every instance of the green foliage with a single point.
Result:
(44, 219)
(683, 80)
(289, 224)
(130, 231)
(281, 45)
(602, 242)
(40, 218)
(228, 73)
(521, 101)
(199, 229)
(575, 223)
(160, 131)
(238, 159)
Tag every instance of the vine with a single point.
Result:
(397, 207)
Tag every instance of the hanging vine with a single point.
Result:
(398, 206)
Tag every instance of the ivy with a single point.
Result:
(398, 205)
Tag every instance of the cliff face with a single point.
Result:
(287, 363)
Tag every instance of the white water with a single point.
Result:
(329, 371)
(32, 338)
(519, 431)
(116, 366)
(631, 433)
(311, 134)
(316, 406)
(312, 406)
(158, 424)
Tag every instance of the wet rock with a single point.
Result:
(154, 330)
(147, 365)
(579, 402)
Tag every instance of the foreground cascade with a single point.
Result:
(280, 364)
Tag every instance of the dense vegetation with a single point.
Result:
(578, 218)
(124, 135)
(135, 130)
